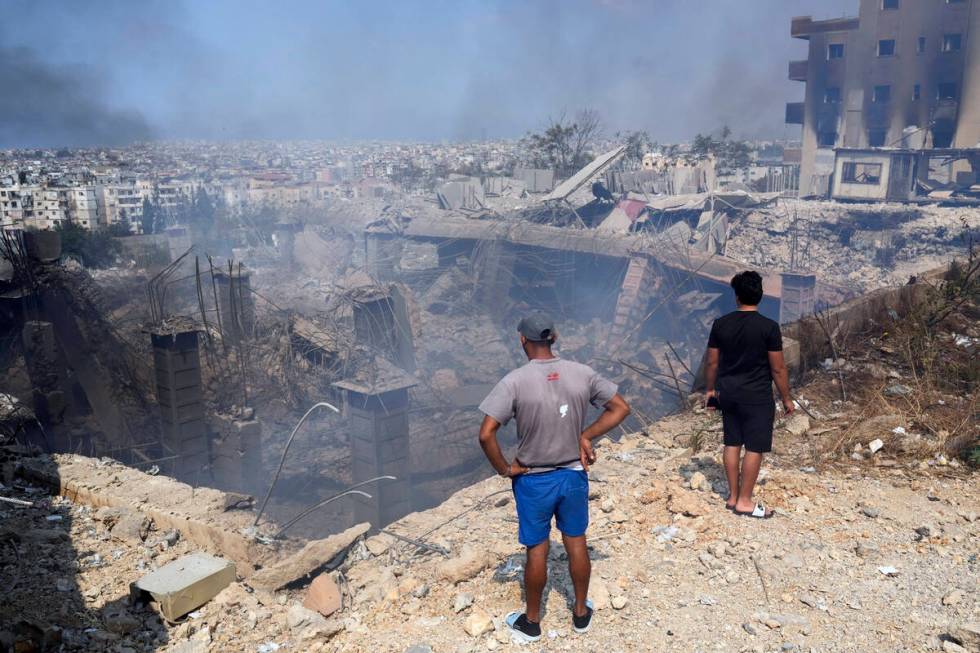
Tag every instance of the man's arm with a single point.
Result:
(488, 441)
(615, 411)
(711, 372)
(777, 366)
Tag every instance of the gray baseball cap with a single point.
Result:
(537, 327)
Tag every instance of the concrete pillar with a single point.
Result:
(381, 322)
(383, 253)
(379, 438)
(236, 453)
(798, 298)
(178, 373)
(46, 367)
(236, 303)
(493, 267)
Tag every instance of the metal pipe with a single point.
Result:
(282, 460)
(316, 506)
(336, 496)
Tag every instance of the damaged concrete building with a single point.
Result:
(902, 74)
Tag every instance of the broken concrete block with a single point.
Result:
(307, 560)
(132, 527)
(323, 596)
(186, 583)
(468, 564)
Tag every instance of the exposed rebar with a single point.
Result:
(285, 450)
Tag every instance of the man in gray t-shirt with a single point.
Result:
(549, 398)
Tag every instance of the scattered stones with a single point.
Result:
(607, 505)
(599, 594)
(897, 390)
(466, 565)
(967, 635)
(871, 512)
(323, 596)
(865, 549)
(954, 597)
(619, 602)
(419, 648)
(119, 620)
(478, 623)
(686, 503)
(750, 629)
(698, 481)
(378, 544)
(875, 445)
(298, 617)
(462, 601)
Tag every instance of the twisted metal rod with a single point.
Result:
(285, 450)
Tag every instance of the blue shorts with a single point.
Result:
(561, 493)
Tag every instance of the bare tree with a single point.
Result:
(564, 146)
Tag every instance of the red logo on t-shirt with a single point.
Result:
(553, 376)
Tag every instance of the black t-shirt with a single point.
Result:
(745, 339)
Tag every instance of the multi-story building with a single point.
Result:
(85, 206)
(903, 73)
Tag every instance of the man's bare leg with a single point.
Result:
(730, 457)
(751, 463)
(535, 578)
(580, 568)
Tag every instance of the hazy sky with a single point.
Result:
(82, 72)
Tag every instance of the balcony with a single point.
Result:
(797, 70)
(802, 27)
(794, 113)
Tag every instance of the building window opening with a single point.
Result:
(952, 42)
(920, 45)
(831, 95)
(916, 92)
(881, 94)
(826, 139)
(835, 51)
(876, 137)
(886, 48)
(889, 4)
(946, 91)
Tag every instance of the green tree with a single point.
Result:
(204, 210)
(637, 144)
(95, 248)
(564, 146)
(729, 154)
(149, 221)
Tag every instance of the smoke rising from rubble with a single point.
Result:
(48, 106)
(395, 70)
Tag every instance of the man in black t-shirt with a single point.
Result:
(745, 355)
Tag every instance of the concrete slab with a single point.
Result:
(186, 583)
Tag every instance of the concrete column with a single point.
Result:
(46, 367)
(236, 303)
(383, 253)
(380, 445)
(178, 374)
(236, 453)
(798, 298)
(494, 273)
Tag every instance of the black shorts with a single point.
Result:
(748, 425)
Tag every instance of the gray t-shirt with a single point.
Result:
(550, 400)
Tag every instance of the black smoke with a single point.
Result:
(44, 105)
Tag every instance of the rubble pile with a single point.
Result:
(855, 246)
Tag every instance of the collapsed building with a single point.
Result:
(401, 316)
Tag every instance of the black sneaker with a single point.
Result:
(582, 624)
(522, 629)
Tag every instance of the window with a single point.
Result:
(952, 42)
(881, 94)
(831, 95)
(826, 139)
(946, 91)
(916, 92)
(835, 51)
(889, 4)
(886, 47)
(920, 45)
(862, 173)
(876, 137)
